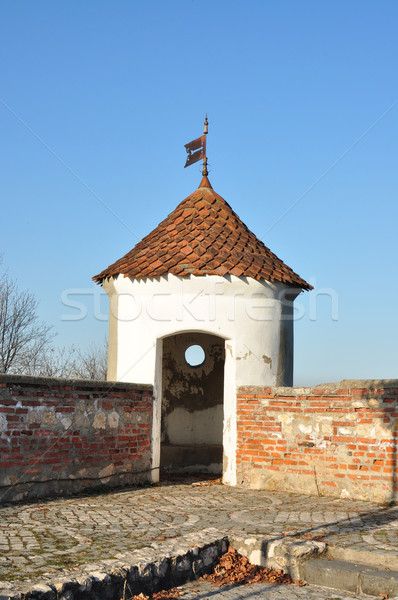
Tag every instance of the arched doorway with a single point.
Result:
(192, 411)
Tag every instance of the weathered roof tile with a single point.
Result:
(203, 235)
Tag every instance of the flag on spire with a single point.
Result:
(196, 150)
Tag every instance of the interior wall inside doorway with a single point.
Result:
(192, 405)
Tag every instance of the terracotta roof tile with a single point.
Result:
(203, 235)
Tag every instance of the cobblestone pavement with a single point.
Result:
(53, 535)
(203, 590)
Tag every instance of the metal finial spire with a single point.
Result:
(205, 131)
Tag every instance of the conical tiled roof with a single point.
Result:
(203, 236)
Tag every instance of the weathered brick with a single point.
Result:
(291, 428)
(46, 442)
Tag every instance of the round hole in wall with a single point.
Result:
(195, 355)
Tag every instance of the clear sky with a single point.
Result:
(97, 100)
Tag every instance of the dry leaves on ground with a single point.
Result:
(231, 569)
(172, 594)
(235, 569)
(321, 537)
(207, 483)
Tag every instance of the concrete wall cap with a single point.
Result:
(73, 383)
(344, 384)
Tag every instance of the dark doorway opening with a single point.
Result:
(192, 404)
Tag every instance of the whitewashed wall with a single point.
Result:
(252, 316)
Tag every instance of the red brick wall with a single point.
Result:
(336, 440)
(59, 436)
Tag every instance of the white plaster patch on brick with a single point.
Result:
(66, 422)
(33, 416)
(3, 423)
(386, 444)
(284, 418)
(10, 480)
(319, 442)
(381, 430)
(376, 429)
(134, 417)
(81, 472)
(113, 419)
(316, 426)
(374, 402)
(81, 420)
(363, 429)
(99, 421)
(344, 430)
(326, 426)
(344, 493)
(48, 417)
(305, 428)
(109, 470)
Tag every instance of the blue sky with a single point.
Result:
(97, 100)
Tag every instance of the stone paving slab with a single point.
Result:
(164, 565)
(54, 535)
(263, 591)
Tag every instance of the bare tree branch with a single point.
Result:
(93, 363)
(21, 333)
(50, 362)
(25, 342)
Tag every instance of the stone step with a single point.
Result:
(372, 558)
(349, 576)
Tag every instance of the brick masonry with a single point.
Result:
(62, 436)
(334, 440)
